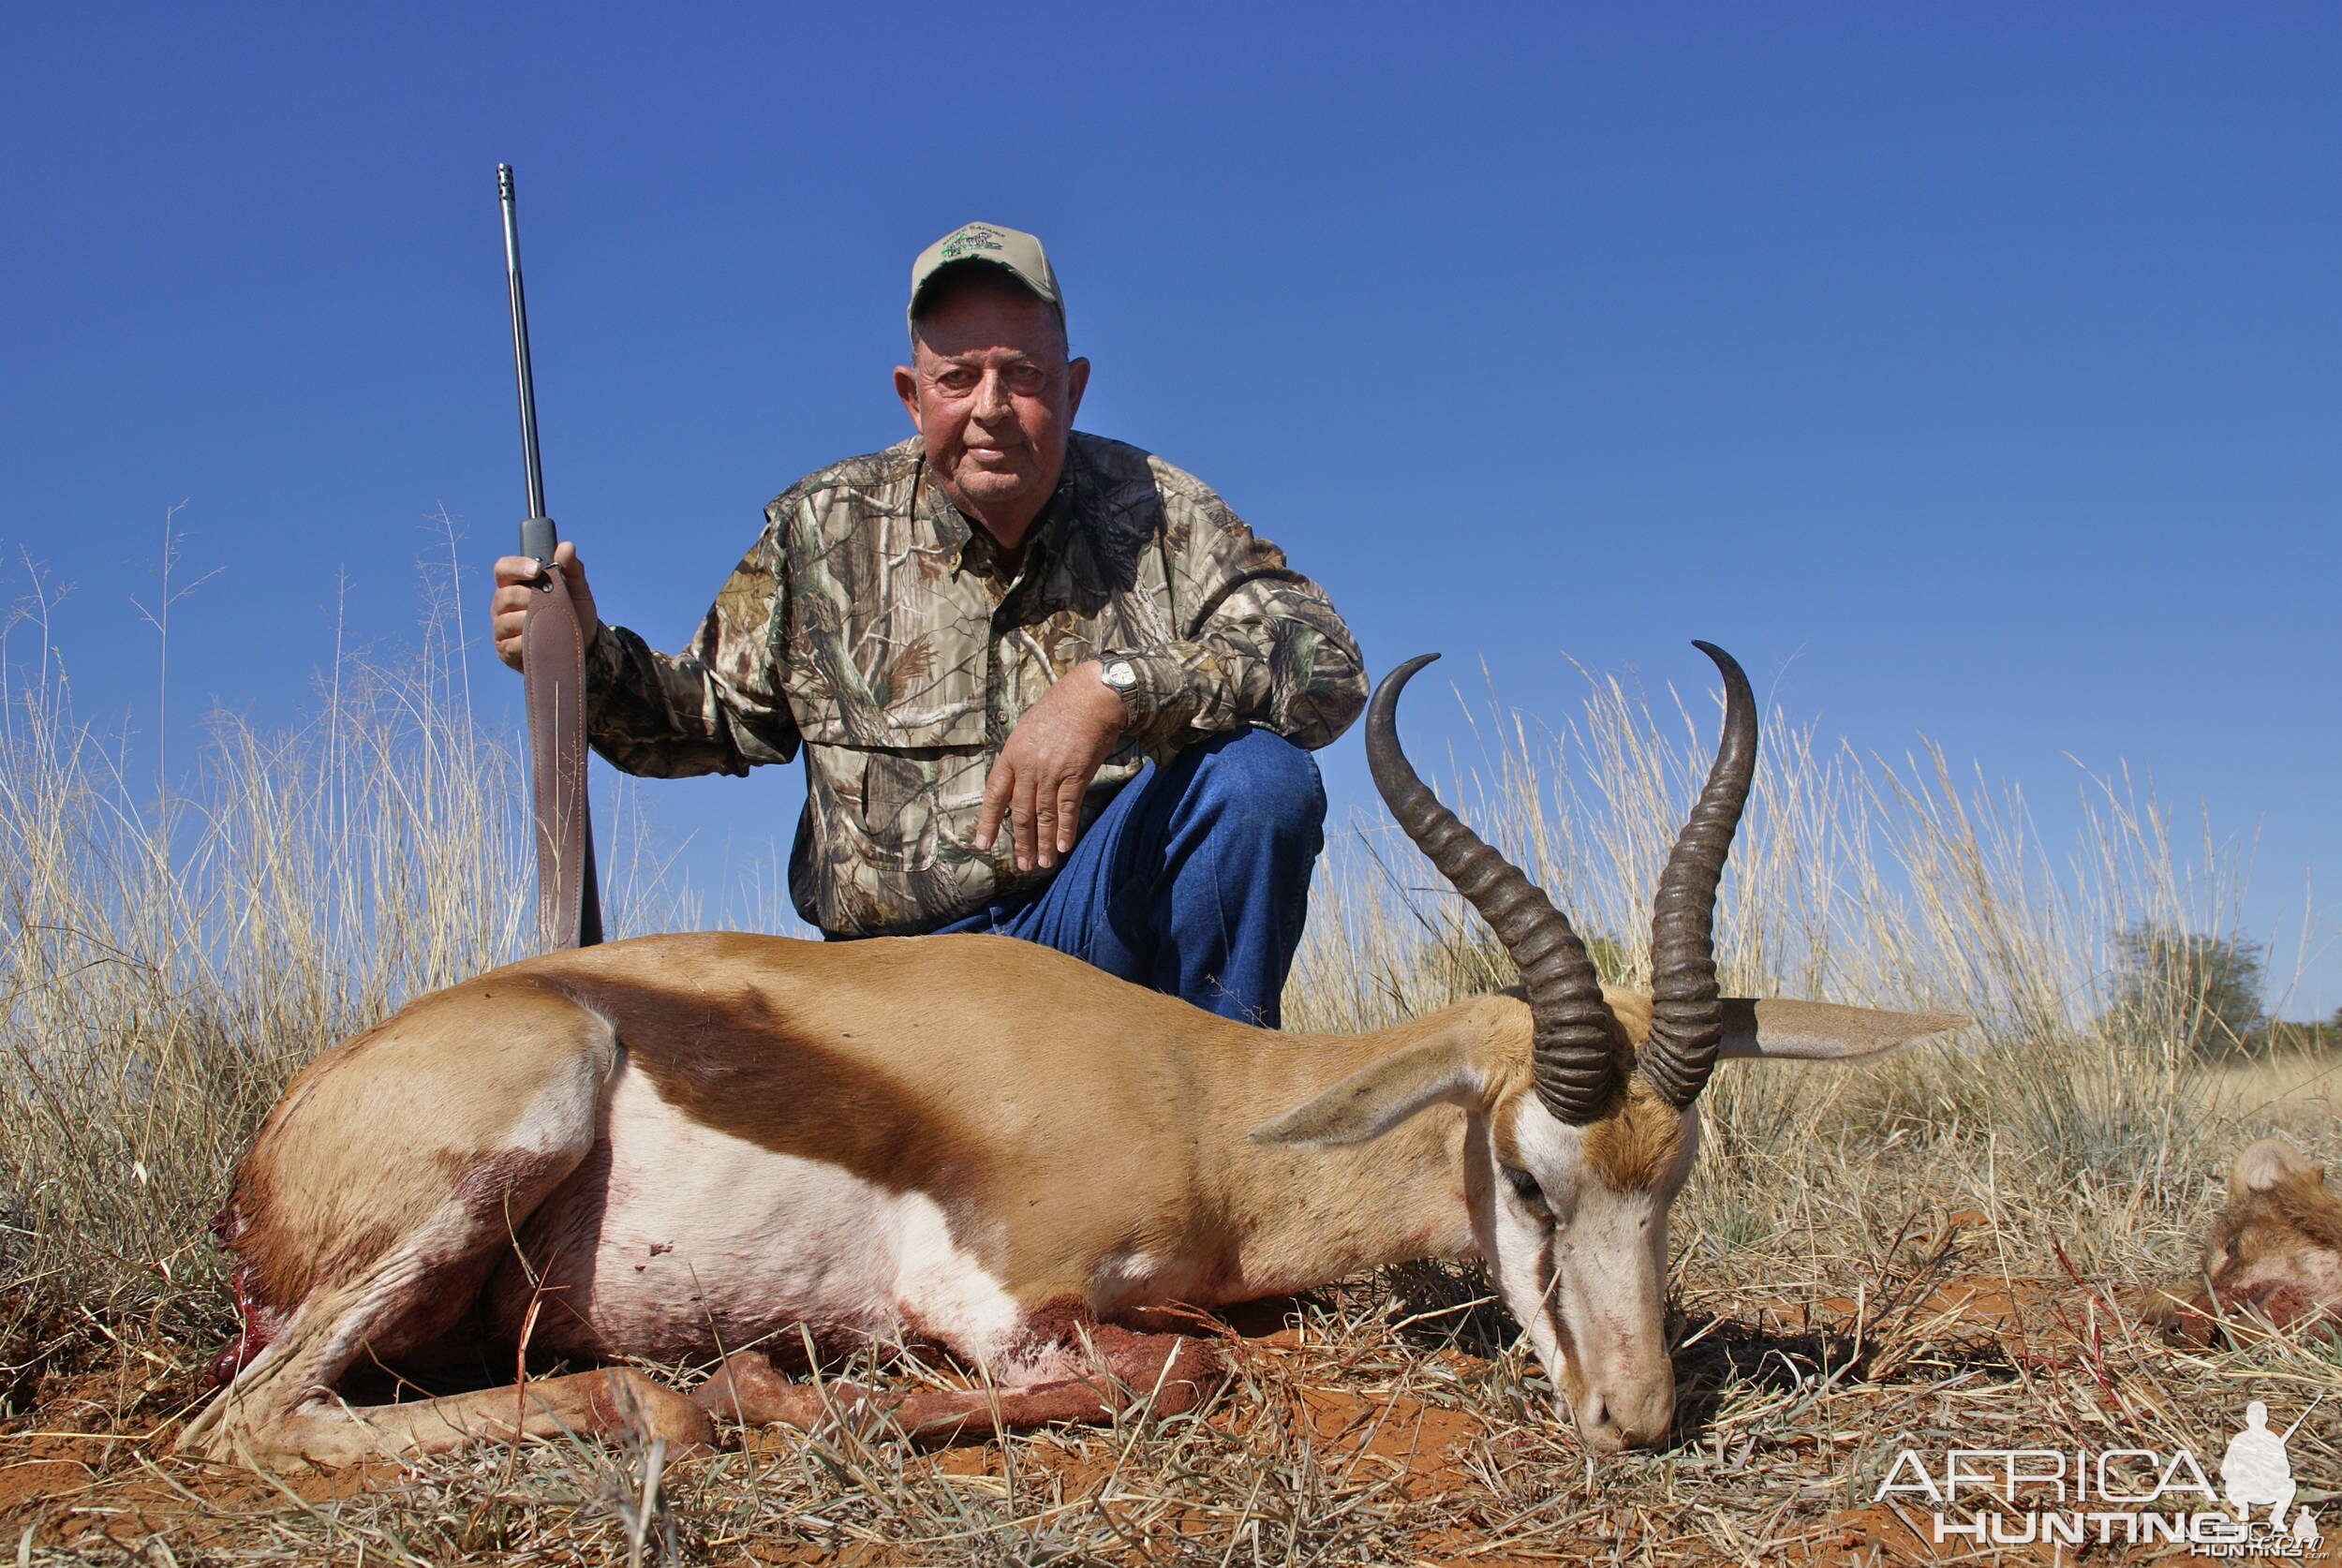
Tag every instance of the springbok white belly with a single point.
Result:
(675, 1239)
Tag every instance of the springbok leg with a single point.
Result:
(1176, 1372)
(444, 1180)
(609, 1403)
(280, 1411)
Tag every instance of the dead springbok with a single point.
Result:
(674, 1147)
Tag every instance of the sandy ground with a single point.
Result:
(1361, 1440)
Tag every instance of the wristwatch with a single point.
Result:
(1122, 678)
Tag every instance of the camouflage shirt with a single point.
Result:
(873, 626)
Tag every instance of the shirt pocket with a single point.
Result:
(918, 708)
(919, 806)
(899, 748)
(890, 808)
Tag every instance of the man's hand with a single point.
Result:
(516, 578)
(1050, 757)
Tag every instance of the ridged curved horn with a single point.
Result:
(1571, 1056)
(1686, 1017)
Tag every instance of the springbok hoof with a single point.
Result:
(747, 1389)
(628, 1402)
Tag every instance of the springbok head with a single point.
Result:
(1581, 1117)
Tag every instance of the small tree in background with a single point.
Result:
(2204, 991)
(2321, 1035)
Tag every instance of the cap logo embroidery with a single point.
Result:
(973, 238)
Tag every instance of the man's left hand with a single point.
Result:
(1046, 767)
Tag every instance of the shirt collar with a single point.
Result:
(971, 548)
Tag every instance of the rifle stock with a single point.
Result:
(552, 669)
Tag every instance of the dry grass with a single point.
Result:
(1943, 1250)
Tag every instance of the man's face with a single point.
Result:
(993, 395)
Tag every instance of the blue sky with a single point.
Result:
(1967, 370)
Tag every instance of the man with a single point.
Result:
(1046, 684)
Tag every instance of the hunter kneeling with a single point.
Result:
(1047, 685)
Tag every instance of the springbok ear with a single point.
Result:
(2264, 1164)
(1824, 1032)
(1373, 1099)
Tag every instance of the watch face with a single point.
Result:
(1119, 676)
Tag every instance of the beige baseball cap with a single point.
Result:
(1015, 251)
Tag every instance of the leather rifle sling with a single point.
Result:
(552, 669)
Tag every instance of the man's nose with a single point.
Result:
(992, 401)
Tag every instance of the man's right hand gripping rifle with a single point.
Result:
(516, 578)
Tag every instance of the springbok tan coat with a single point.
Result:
(691, 1147)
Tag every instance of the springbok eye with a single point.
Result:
(1524, 1186)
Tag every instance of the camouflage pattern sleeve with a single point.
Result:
(1257, 643)
(717, 707)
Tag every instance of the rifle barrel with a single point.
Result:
(537, 533)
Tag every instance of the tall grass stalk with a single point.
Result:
(165, 962)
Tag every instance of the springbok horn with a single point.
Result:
(1571, 1059)
(1686, 1017)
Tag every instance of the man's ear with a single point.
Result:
(1373, 1099)
(1076, 380)
(907, 387)
(1824, 1032)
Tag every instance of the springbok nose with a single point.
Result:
(1594, 1425)
(1632, 1419)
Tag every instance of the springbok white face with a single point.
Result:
(1572, 1218)
(1580, 1258)
(1581, 1117)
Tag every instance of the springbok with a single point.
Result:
(674, 1147)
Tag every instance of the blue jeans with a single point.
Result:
(1194, 880)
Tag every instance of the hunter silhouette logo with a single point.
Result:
(2256, 1471)
(2011, 1497)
